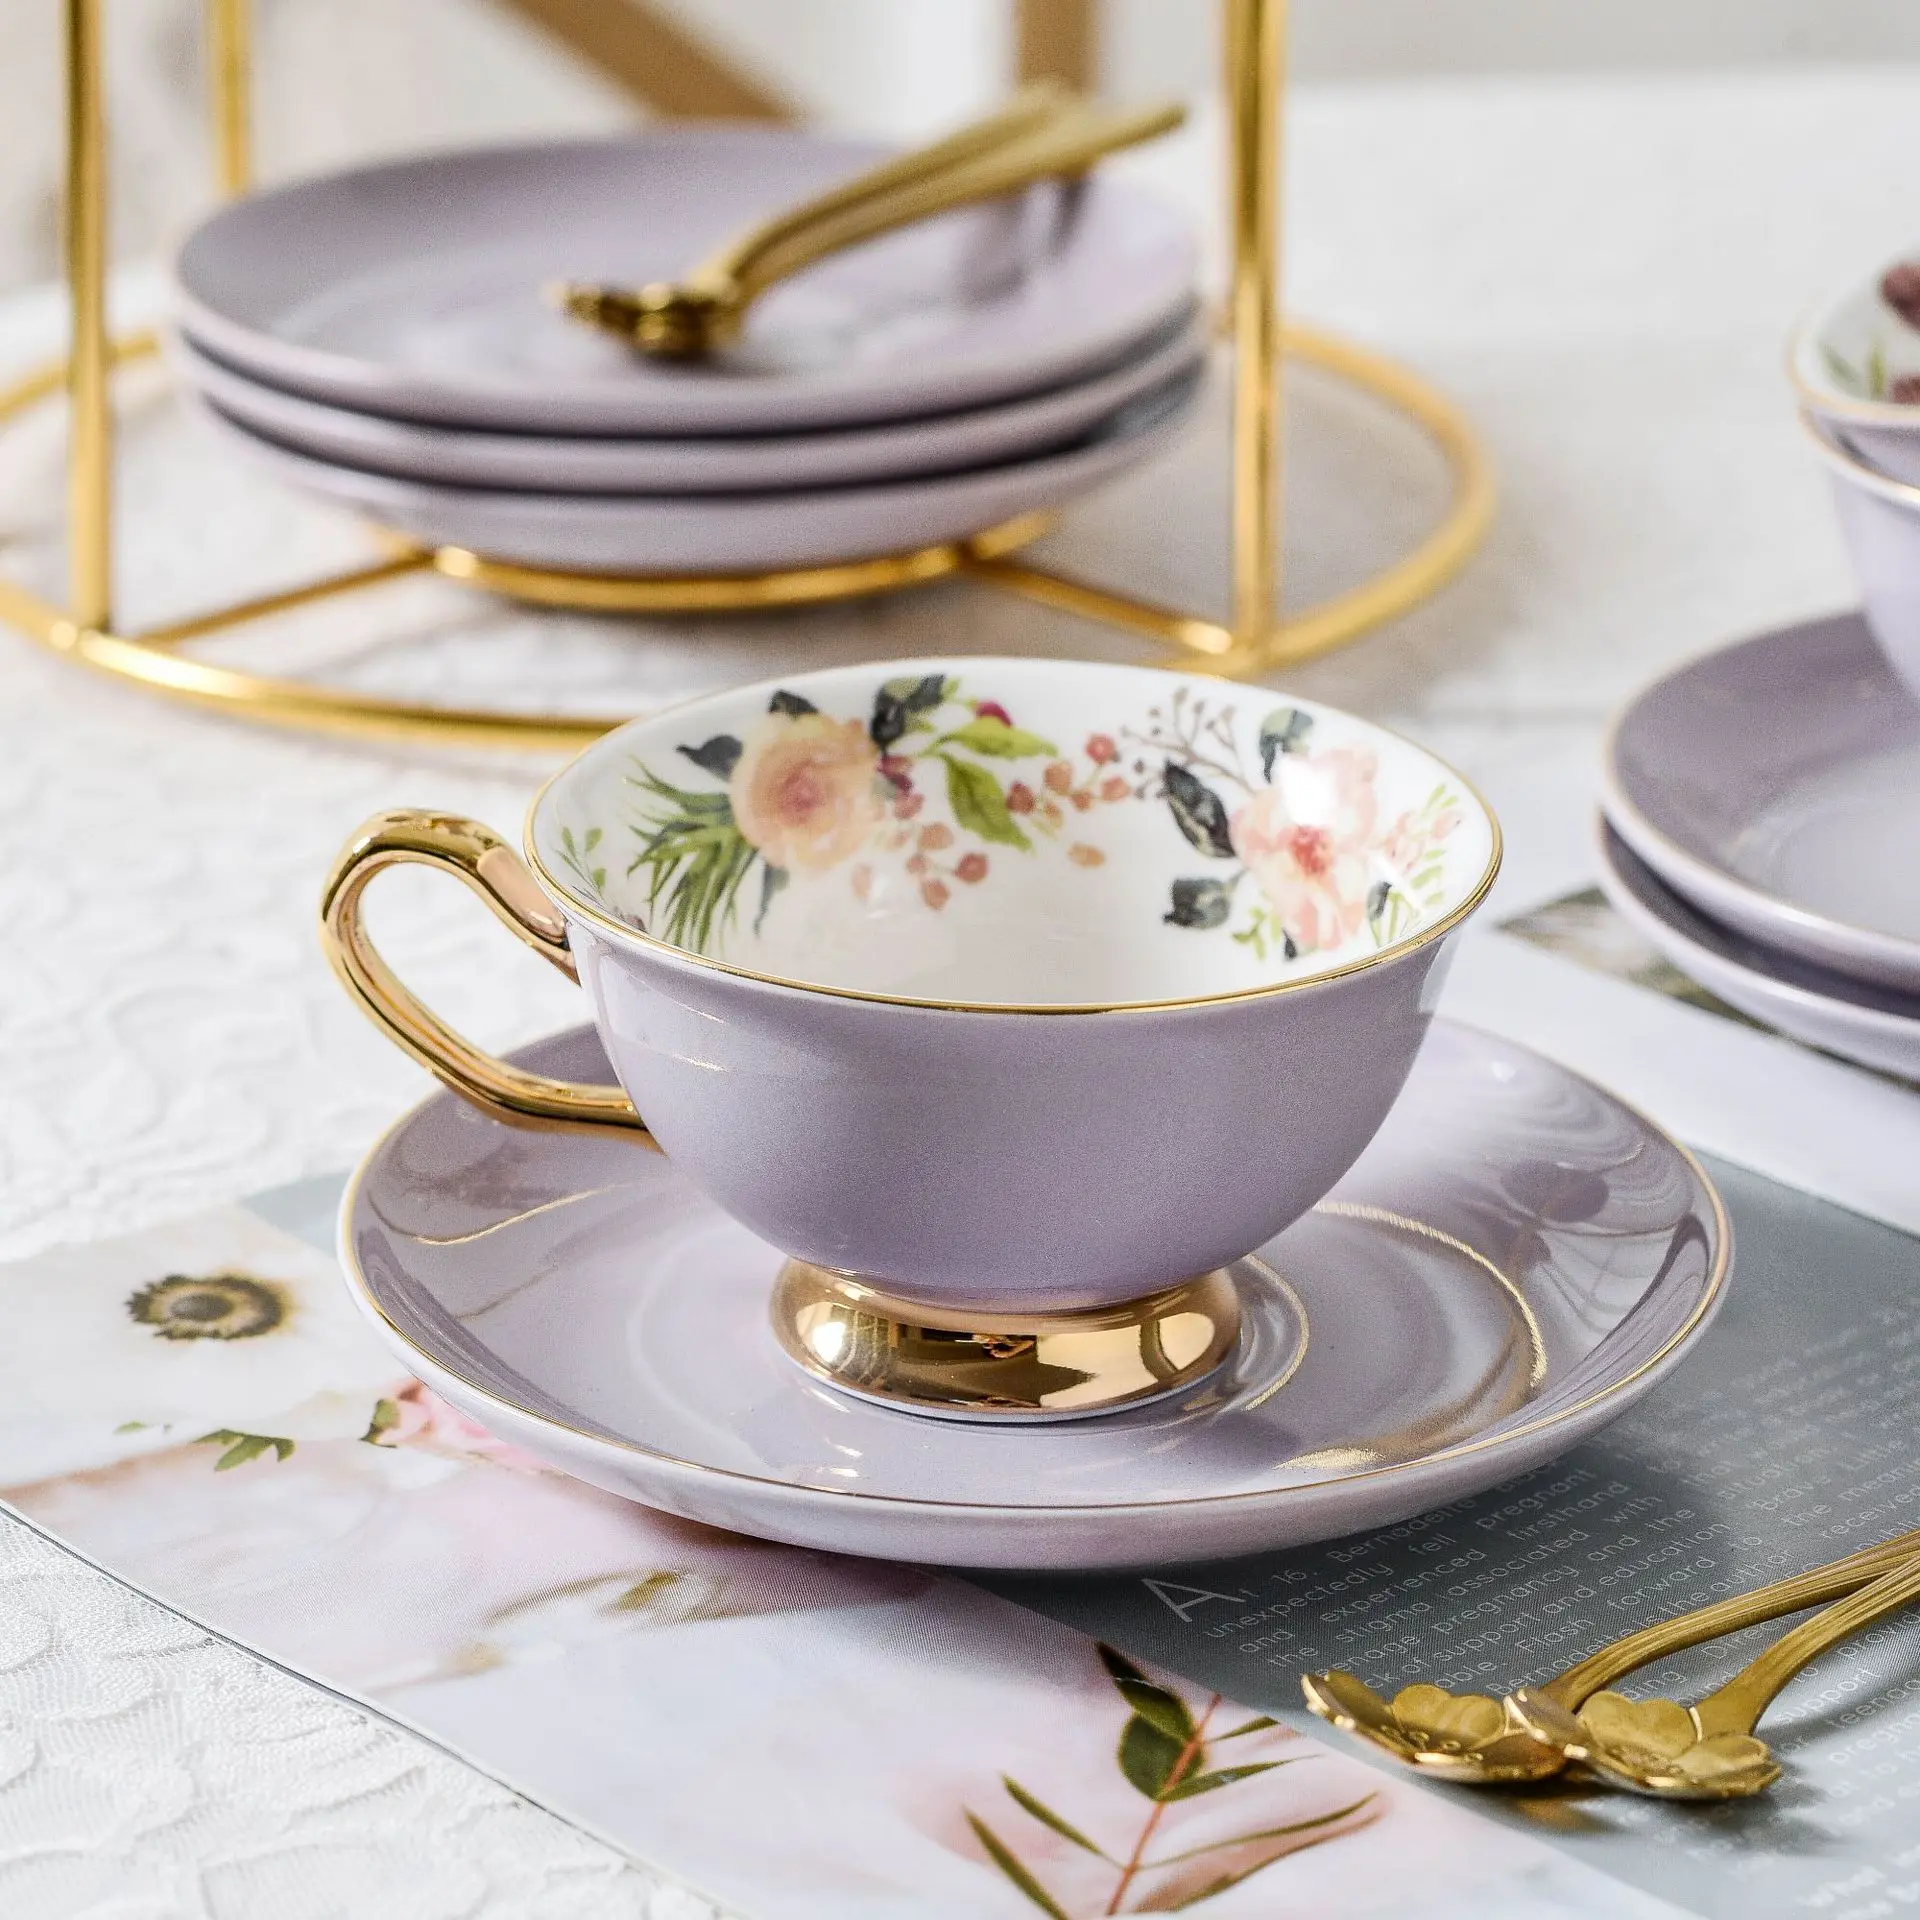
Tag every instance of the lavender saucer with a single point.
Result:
(1515, 1260)
(1775, 784)
(413, 288)
(1870, 1025)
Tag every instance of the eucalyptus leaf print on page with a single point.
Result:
(1175, 1758)
(801, 794)
(1305, 861)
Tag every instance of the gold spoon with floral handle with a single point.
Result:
(1038, 138)
(1478, 1741)
(1707, 1751)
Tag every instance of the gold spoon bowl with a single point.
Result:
(1476, 1740)
(1043, 133)
(1707, 1751)
(1464, 1737)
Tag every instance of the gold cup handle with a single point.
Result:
(478, 858)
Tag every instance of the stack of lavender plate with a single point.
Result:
(1762, 829)
(380, 339)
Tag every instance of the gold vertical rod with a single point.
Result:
(230, 85)
(89, 416)
(1255, 84)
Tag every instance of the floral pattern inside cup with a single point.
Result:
(1866, 349)
(1209, 812)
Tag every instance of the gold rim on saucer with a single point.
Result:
(1003, 1366)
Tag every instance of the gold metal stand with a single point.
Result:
(1255, 638)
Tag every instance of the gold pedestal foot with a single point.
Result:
(987, 1366)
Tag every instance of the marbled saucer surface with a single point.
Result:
(1514, 1261)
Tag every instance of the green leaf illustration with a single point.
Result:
(772, 879)
(695, 857)
(997, 740)
(1010, 1864)
(1284, 730)
(718, 756)
(645, 1592)
(1842, 371)
(386, 1414)
(979, 805)
(922, 695)
(1200, 903)
(1223, 1777)
(1226, 1880)
(1118, 1666)
(1877, 370)
(1048, 1818)
(242, 1447)
(793, 705)
(1153, 1703)
(1258, 1724)
(1198, 811)
(1148, 1756)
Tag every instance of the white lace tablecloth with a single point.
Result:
(1601, 271)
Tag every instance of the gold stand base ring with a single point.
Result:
(961, 1365)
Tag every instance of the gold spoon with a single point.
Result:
(1707, 1751)
(1043, 133)
(1478, 1741)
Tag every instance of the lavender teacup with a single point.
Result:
(1013, 1000)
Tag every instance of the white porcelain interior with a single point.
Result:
(414, 287)
(1016, 832)
(1514, 1260)
(713, 463)
(1847, 359)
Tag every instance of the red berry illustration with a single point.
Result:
(993, 710)
(1019, 798)
(934, 893)
(1114, 787)
(1900, 289)
(1059, 777)
(972, 868)
(1101, 748)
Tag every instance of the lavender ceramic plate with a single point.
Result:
(414, 289)
(1513, 1262)
(640, 533)
(1776, 785)
(1873, 1026)
(736, 463)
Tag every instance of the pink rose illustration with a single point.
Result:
(1412, 837)
(805, 791)
(1306, 843)
(415, 1416)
